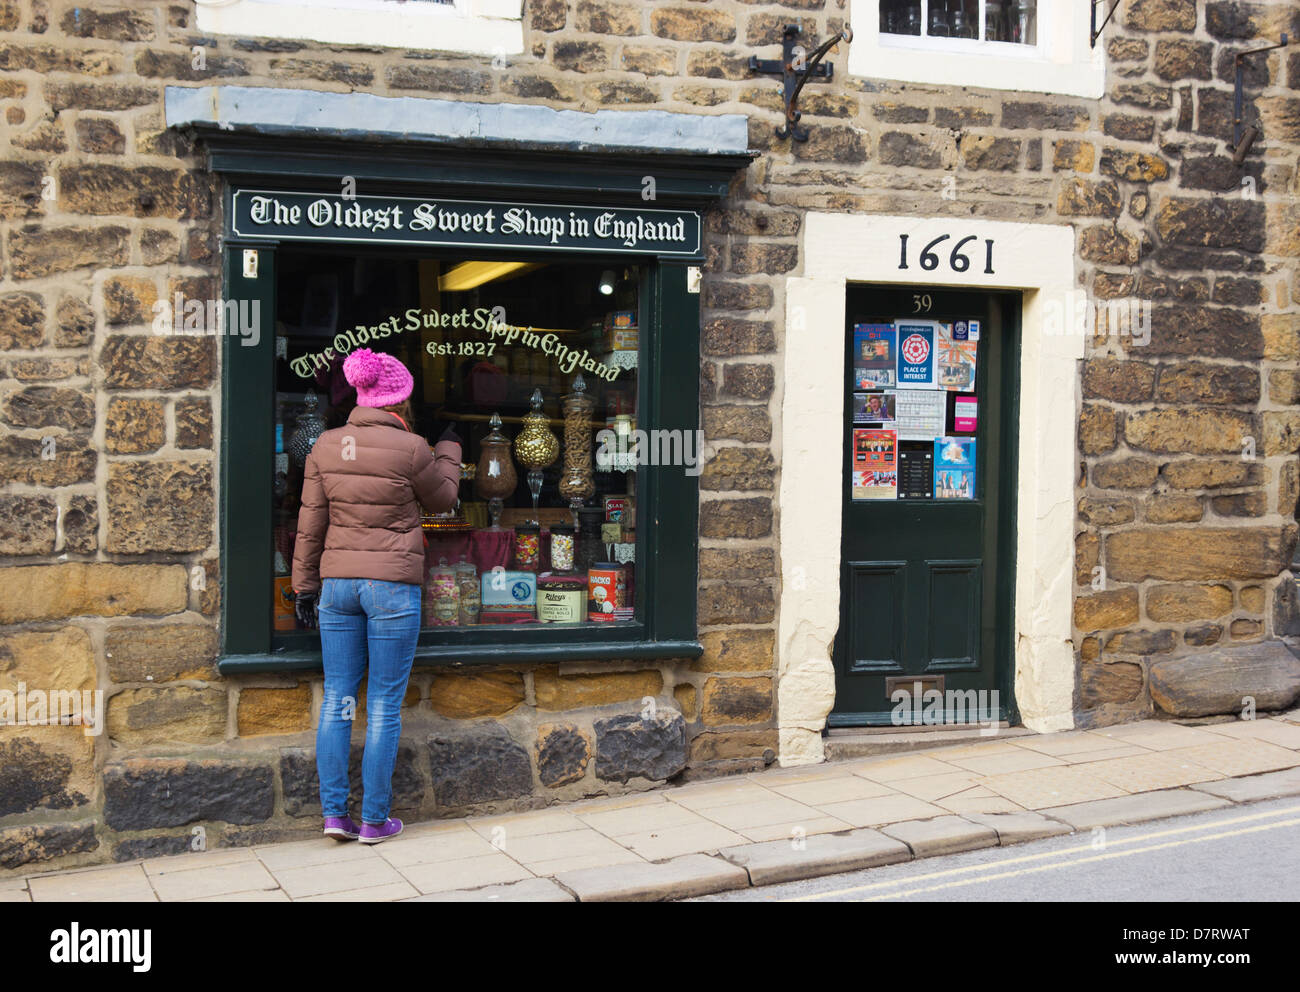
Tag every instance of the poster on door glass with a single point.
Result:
(875, 464)
(874, 358)
(873, 408)
(956, 361)
(954, 468)
(916, 344)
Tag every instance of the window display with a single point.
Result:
(526, 362)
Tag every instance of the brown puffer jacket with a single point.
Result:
(359, 517)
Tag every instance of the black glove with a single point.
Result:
(304, 608)
(450, 435)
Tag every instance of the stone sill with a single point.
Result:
(439, 656)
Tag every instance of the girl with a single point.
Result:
(360, 547)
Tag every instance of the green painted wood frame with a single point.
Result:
(667, 499)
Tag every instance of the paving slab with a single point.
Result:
(197, 883)
(942, 835)
(977, 802)
(1271, 785)
(120, 883)
(257, 895)
(1039, 788)
(831, 789)
(1016, 828)
(774, 809)
(678, 878)
(572, 862)
(388, 892)
(529, 890)
(886, 809)
(1135, 809)
(464, 873)
(198, 859)
(818, 854)
(316, 880)
(1241, 757)
(795, 828)
(656, 845)
(304, 853)
(1274, 731)
(14, 895)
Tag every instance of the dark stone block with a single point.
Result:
(26, 845)
(627, 746)
(144, 793)
(300, 783)
(1205, 331)
(1221, 681)
(562, 755)
(1218, 174)
(478, 767)
(152, 847)
(1200, 260)
(32, 778)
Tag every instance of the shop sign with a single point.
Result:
(305, 216)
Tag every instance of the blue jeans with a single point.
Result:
(359, 617)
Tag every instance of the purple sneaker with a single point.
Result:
(341, 828)
(375, 833)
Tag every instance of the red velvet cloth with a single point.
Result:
(486, 548)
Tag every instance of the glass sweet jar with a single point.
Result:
(578, 479)
(536, 447)
(495, 477)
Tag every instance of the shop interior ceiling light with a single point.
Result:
(469, 275)
(607, 283)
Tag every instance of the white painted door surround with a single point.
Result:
(1037, 259)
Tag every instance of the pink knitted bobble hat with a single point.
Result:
(381, 380)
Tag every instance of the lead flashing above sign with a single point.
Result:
(320, 114)
(273, 215)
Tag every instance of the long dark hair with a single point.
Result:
(403, 410)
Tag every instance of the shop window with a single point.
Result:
(487, 27)
(534, 365)
(1021, 45)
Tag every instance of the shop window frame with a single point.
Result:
(668, 498)
(669, 394)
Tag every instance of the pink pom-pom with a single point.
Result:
(362, 368)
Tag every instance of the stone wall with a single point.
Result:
(108, 538)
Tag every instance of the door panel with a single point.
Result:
(954, 612)
(926, 584)
(877, 635)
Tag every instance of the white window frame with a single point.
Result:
(1060, 61)
(480, 27)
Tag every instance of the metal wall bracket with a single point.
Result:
(1243, 136)
(1098, 28)
(795, 68)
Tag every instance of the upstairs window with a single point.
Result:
(483, 27)
(1007, 21)
(1029, 46)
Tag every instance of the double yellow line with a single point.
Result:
(1051, 860)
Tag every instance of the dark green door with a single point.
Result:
(926, 583)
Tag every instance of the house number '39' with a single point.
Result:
(958, 260)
